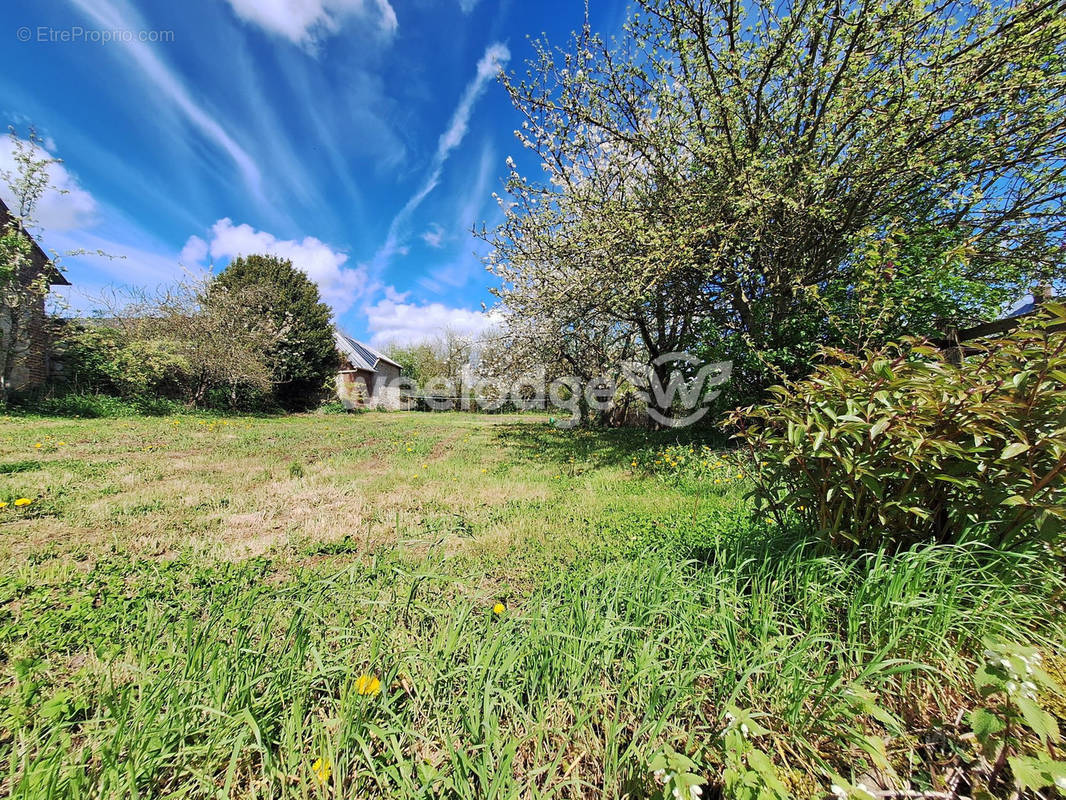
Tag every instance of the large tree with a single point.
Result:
(723, 173)
(305, 357)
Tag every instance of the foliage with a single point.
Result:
(900, 445)
(728, 176)
(749, 772)
(191, 343)
(1011, 674)
(304, 358)
(109, 360)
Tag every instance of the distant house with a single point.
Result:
(366, 378)
(32, 364)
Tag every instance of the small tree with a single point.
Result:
(304, 356)
(24, 280)
(223, 350)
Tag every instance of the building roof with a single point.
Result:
(39, 257)
(359, 355)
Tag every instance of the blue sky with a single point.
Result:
(361, 138)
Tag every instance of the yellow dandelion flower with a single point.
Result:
(38, 445)
(61, 444)
(498, 609)
(425, 466)
(23, 501)
(3, 504)
(368, 685)
(321, 769)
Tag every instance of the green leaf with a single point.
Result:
(1039, 720)
(1036, 773)
(985, 724)
(1011, 450)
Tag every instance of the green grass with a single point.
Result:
(188, 605)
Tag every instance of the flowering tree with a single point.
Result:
(728, 164)
(23, 281)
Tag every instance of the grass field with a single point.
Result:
(415, 606)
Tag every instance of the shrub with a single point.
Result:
(900, 445)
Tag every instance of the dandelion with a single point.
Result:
(61, 444)
(321, 769)
(425, 466)
(38, 445)
(368, 685)
(23, 501)
(498, 609)
(3, 504)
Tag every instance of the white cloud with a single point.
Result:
(194, 251)
(467, 5)
(393, 321)
(434, 236)
(169, 84)
(340, 286)
(494, 59)
(304, 22)
(64, 206)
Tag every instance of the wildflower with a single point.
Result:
(321, 769)
(23, 501)
(368, 685)
(3, 504)
(425, 466)
(498, 609)
(38, 445)
(61, 444)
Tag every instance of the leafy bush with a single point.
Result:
(111, 361)
(901, 445)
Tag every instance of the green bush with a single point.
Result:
(108, 360)
(900, 445)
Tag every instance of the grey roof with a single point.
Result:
(359, 355)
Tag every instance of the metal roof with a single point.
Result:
(359, 355)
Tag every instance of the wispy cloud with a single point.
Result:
(304, 23)
(495, 59)
(120, 16)
(434, 236)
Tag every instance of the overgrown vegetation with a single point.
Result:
(901, 445)
(459, 606)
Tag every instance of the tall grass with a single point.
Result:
(187, 679)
